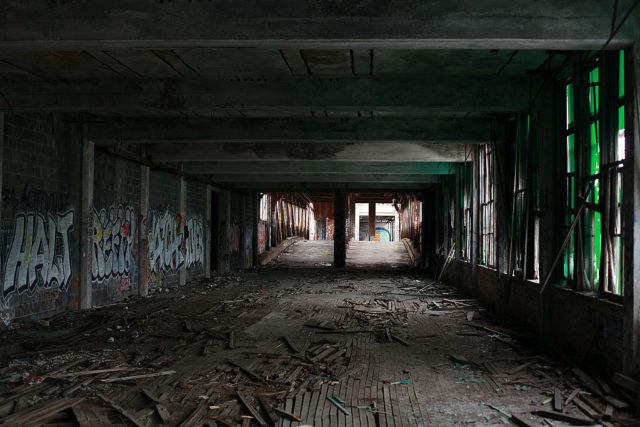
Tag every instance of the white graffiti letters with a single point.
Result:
(165, 243)
(194, 242)
(114, 234)
(39, 254)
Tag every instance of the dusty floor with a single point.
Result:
(319, 253)
(396, 348)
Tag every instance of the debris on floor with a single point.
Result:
(297, 347)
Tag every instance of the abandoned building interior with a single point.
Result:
(319, 213)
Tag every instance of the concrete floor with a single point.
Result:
(366, 255)
(423, 353)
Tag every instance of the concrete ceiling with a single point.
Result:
(323, 95)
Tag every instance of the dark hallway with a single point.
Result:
(320, 212)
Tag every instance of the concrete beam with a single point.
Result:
(299, 130)
(323, 177)
(396, 152)
(306, 167)
(294, 186)
(425, 95)
(509, 24)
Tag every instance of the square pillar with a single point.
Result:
(631, 213)
(207, 234)
(143, 230)
(86, 207)
(223, 237)
(340, 235)
(182, 272)
(372, 220)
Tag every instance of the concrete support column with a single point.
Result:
(85, 221)
(475, 221)
(631, 214)
(339, 236)
(457, 213)
(182, 273)
(552, 145)
(143, 232)
(425, 238)
(255, 242)
(1, 155)
(223, 238)
(372, 220)
(207, 234)
(244, 262)
(267, 227)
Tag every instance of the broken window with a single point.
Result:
(569, 173)
(594, 130)
(466, 182)
(526, 198)
(486, 195)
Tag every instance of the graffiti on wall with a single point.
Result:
(113, 244)
(39, 254)
(194, 242)
(165, 242)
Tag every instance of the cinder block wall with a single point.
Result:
(42, 234)
(39, 230)
(115, 225)
(580, 323)
(195, 227)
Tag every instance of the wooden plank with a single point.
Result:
(388, 406)
(522, 367)
(164, 413)
(91, 416)
(557, 399)
(120, 409)
(137, 377)
(401, 340)
(40, 412)
(313, 404)
(92, 372)
(292, 344)
(205, 348)
(268, 410)
(254, 376)
(253, 411)
(196, 415)
(323, 354)
(592, 413)
(294, 375)
(297, 402)
(521, 420)
(575, 419)
(352, 399)
(287, 414)
(572, 396)
(317, 416)
(626, 382)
